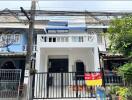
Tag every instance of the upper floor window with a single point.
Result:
(17, 38)
(6, 39)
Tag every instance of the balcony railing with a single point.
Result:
(80, 38)
(111, 77)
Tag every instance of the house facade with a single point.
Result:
(12, 49)
(69, 47)
(64, 52)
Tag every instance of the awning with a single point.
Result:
(111, 56)
(12, 54)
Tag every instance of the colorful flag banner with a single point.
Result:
(93, 79)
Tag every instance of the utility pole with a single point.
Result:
(30, 47)
(30, 36)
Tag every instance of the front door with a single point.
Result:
(80, 70)
(58, 65)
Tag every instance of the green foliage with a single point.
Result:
(126, 71)
(120, 35)
(113, 89)
(122, 91)
(129, 91)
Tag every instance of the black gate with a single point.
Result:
(61, 85)
(67, 85)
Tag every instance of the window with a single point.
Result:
(17, 38)
(9, 39)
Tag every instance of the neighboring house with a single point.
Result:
(13, 40)
(112, 62)
(12, 52)
(13, 46)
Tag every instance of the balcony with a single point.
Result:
(66, 40)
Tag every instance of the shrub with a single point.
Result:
(113, 89)
(126, 72)
(122, 91)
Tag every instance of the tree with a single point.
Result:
(120, 35)
(126, 72)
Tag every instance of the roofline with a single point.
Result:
(44, 26)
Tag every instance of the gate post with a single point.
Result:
(47, 84)
(76, 85)
(26, 81)
(30, 87)
(61, 84)
(33, 84)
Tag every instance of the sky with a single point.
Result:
(70, 5)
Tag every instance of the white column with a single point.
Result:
(37, 66)
(96, 59)
(45, 62)
(70, 58)
(37, 59)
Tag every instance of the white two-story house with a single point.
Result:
(69, 49)
(63, 51)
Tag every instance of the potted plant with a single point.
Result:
(113, 92)
(122, 92)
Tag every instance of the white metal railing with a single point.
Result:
(80, 38)
(25, 47)
(10, 83)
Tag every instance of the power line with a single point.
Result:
(67, 13)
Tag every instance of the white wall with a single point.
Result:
(84, 54)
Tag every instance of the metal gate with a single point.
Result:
(67, 85)
(10, 83)
(61, 85)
